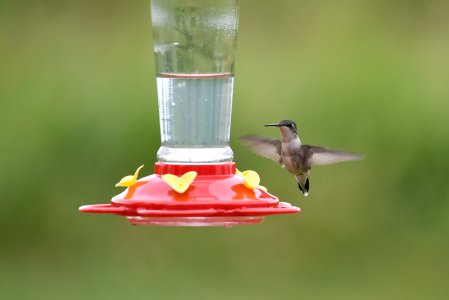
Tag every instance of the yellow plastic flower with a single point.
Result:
(129, 180)
(180, 184)
(251, 179)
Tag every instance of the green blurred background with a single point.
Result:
(78, 111)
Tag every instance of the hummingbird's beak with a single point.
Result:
(272, 124)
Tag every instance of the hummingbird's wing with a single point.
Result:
(316, 155)
(265, 147)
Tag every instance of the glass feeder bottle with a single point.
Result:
(194, 45)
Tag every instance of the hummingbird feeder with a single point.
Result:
(195, 182)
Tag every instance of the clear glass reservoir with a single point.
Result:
(194, 44)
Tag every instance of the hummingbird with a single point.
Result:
(296, 157)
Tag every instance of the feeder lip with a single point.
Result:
(215, 192)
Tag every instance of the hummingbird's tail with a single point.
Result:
(305, 189)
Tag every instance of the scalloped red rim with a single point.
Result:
(281, 208)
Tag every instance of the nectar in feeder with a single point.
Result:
(195, 182)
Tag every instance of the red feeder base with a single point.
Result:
(217, 197)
